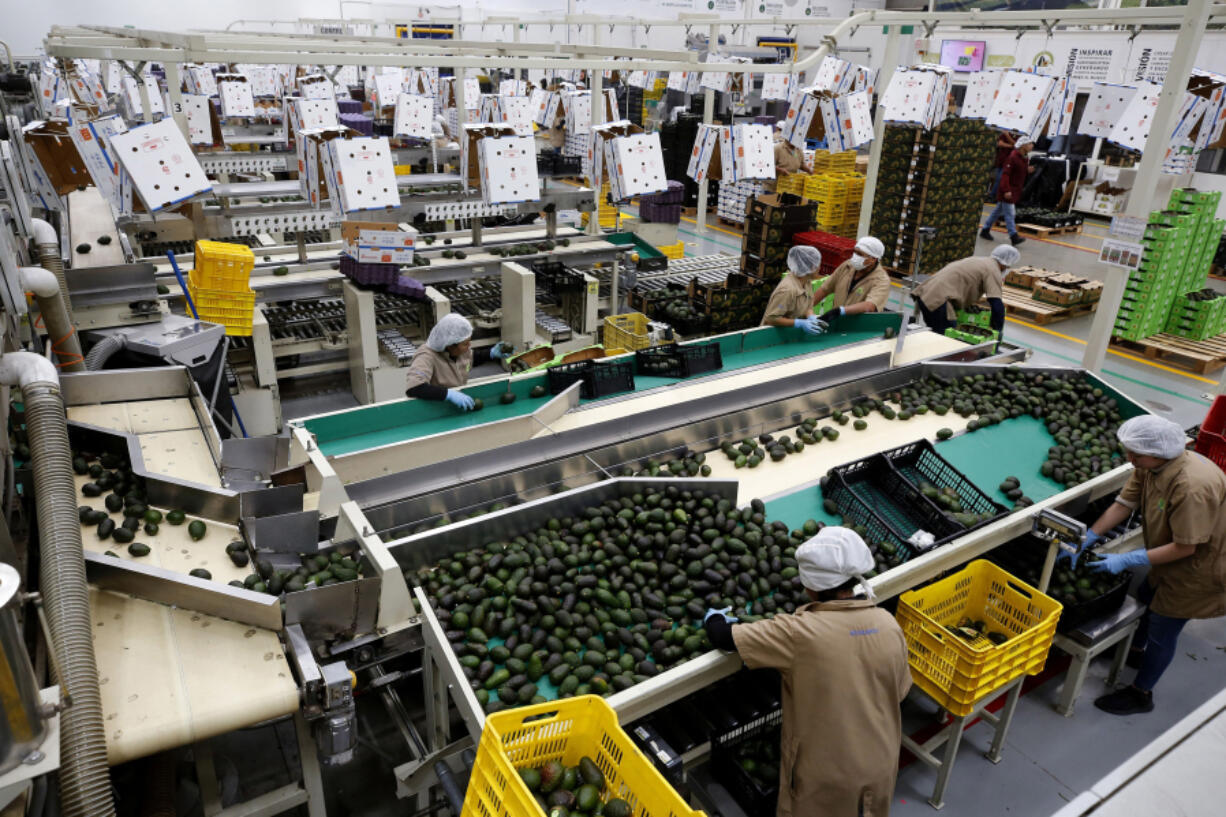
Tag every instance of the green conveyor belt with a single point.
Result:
(373, 426)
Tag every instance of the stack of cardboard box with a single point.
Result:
(1180, 243)
(772, 221)
(926, 179)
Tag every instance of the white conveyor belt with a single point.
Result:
(170, 677)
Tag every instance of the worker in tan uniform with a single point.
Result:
(1180, 495)
(961, 284)
(789, 159)
(441, 366)
(791, 304)
(858, 285)
(843, 663)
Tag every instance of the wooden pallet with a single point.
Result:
(1039, 231)
(1020, 304)
(1200, 356)
(739, 226)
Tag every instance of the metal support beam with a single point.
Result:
(1141, 201)
(596, 86)
(708, 113)
(888, 64)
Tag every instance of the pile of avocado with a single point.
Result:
(971, 631)
(1075, 584)
(573, 791)
(604, 599)
(527, 249)
(758, 758)
(684, 466)
(316, 570)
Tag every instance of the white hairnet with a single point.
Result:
(1152, 436)
(1023, 141)
(452, 328)
(871, 246)
(832, 557)
(804, 260)
(1006, 255)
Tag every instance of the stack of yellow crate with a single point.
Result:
(605, 212)
(793, 183)
(837, 195)
(826, 162)
(652, 97)
(218, 285)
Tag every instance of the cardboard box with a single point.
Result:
(783, 208)
(54, 149)
(160, 163)
(414, 117)
(378, 242)
(236, 96)
(364, 174)
(470, 166)
(93, 142)
(508, 170)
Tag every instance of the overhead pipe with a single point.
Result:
(53, 304)
(48, 245)
(85, 786)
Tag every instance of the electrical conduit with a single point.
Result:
(53, 304)
(85, 786)
(48, 245)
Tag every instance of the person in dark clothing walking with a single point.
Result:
(1012, 179)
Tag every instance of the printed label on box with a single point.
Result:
(364, 173)
(508, 170)
(777, 86)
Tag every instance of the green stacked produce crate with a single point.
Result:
(923, 181)
(1180, 243)
(1198, 315)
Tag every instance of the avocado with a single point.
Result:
(281, 271)
(138, 549)
(478, 404)
(197, 530)
(531, 778)
(551, 776)
(859, 425)
(507, 398)
(105, 528)
(616, 807)
(176, 517)
(91, 489)
(123, 535)
(238, 557)
(538, 391)
(200, 573)
(153, 516)
(114, 503)
(945, 434)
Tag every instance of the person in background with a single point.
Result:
(1009, 192)
(441, 366)
(843, 663)
(860, 284)
(791, 304)
(1004, 146)
(1180, 495)
(961, 284)
(789, 159)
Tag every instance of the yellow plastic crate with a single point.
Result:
(229, 308)
(673, 250)
(955, 672)
(219, 265)
(566, 731)
(402, 170)
(628, 331)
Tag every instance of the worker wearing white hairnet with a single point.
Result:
(860, 284)
(843, 663)
(1180, 495)
(441, 366)
(961, 284)
(791, 304)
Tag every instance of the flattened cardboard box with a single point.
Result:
(55, 152)
(93, 142)
(378, 242)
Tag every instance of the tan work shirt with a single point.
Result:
(789, 159)
(961, 284)
(844, 671)
(1182, 502)
(439, 368)
(873, 287)
(791, 299)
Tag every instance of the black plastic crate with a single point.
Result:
(919, 462)
(675, 360)
(597, 379)
(1026, 555)
(757, 799)
(898, 503)
(876, 530)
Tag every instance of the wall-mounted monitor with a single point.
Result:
(963, 55)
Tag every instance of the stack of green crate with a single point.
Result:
(1198, 315)
(1180, 242)
(922, 181)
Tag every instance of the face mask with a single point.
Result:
(857, 262)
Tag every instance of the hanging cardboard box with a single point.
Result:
(316, 86)
(470, 169)
(363, 173)
(161, 165)
(508, 170)
(414, 117)
(311, 182)
(56, 153)
(236, 96)
(1020, 102)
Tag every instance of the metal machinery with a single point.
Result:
(314, 664)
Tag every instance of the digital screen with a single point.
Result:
(963, 55)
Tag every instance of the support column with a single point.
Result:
(708, 113)
(596, 89)
(888, 64)
(174, 89)
(1140, 200)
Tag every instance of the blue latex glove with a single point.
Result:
(1119, 562)
(460, 400)
(496, 352)
(809, 325)
(722, 612)
(1088, 541)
